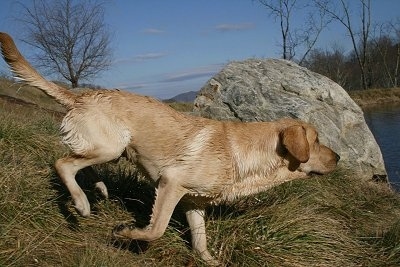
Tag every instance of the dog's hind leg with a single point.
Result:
(168, 195)
(98, 183)
(68, 167)
(197, 226)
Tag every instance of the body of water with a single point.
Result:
(384, 122)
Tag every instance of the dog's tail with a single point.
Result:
(24, 71)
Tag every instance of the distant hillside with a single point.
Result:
(27, 94)
(184, 97)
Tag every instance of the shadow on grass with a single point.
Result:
(130, 190)
(62, 202)
(135, 195)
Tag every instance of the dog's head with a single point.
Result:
(303, 150)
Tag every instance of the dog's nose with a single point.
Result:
(337, 157)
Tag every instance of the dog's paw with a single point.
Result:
(119, 227)
(210, 260)
(102, 188)
(84, 212)
(82, 206)
(122, 231)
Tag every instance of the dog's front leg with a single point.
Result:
(168, 194)
(197, 226)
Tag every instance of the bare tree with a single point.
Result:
(396, 27)
(386, 52)
(282, 10)
(303, 36)
(359, 39)
(390, 50)
(331, 63)
(71, 37)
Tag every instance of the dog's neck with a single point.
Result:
(257, 182)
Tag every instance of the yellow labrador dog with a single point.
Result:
(200, 160)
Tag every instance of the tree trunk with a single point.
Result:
(74, 83)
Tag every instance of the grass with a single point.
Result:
(333, 220)
(28, 94)
(373, 97)
(182, 106)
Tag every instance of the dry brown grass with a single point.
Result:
(182, 106)
(333, 220)
(373, 97)
(28, 94)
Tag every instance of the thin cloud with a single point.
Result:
(207, 71)
(140, 58)
(136, 86)
(172, 83)
(153, 31)
(234, 27)
(132, 86)
(187, 76)
(149, 56)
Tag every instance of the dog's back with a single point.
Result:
(204, 160)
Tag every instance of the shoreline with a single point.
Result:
(375, 97)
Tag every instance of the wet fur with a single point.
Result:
(188, 157)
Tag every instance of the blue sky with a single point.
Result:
(166, 47)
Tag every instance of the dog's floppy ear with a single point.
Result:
(294, 139)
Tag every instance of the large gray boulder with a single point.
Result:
(265, 90)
